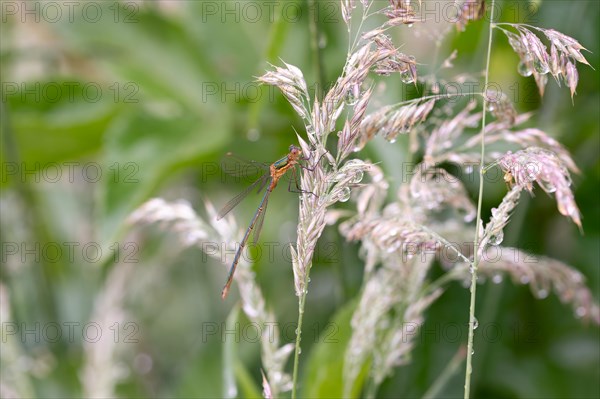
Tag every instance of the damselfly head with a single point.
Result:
(295, 151)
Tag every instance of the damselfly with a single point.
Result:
(268, 180)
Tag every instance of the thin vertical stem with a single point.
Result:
(469, 368)
(313, 25)
(301, 302)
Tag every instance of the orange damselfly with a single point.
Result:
(269, 180)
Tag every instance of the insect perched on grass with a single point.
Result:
(276, 170)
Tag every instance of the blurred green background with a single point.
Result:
(132, 100)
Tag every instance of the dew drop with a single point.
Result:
(497, 238)
(580, 312)
(358, 176)
(475, 323)
(540, 67)
(524, 279)
(469, 169)
(497, 278)
(406, 77)
(542, 293)
(351, 99)
(344, 194)
(524, 70)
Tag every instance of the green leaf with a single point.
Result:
(325, 366)
(55, 120)
(129, 46)
(141, 151)
(247, 386)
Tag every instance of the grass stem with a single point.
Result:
(472, 320)
(297, 350)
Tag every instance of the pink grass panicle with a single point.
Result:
(545, 168)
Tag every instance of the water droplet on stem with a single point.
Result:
(524, 69)
(344, 194)
(406, 77)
